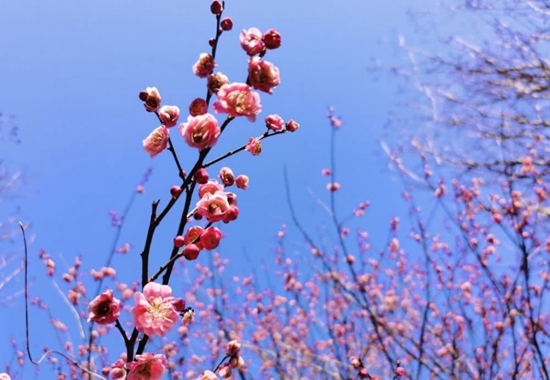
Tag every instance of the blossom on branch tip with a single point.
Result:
(292, 126)
(251, 41)
(154, 312)
(263, 76)
(200, 131)
(216, 7)
(157, 141)
(169, 115)
(147, 367)
(238, 99)
(104, 309)
(254, 146)
(204, 66)
(274, 122)
(151, 99)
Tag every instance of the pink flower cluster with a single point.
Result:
(235, 359)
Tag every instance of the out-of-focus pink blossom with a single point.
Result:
(200, 131)
(238, 99)
(5, 376)
(272, 39)
(263, 75)
(198, 107)
(274, 122)
(335, 186)
(104, 309)
(154, 312)
(210, 238)
(147, 367)
(169, 116)
(208, 375)
(117, 370)
(151, 99)
(213, 206)
(227, 177)
(215, 81)
(254, 146)
(204, 66)
(242, 182)
(157, 141)
(251, 41)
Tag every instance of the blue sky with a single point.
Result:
(71, 73)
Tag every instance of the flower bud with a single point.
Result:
(216, 8)
(292, 126)
(175, 191)
(210, 238)
(201, 176)
(272, 39)
(242, 182)
(215, 81)
(151, 99)
(274, 122)
(227, 24)
(191, 252)
(198, 107)
(204, 66)
(179, 241)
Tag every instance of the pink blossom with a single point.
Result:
(335, 186)
(198, 107)
(151, 99)
(157, 141)
(169, 116)
(147, 367)
(201, 176)
(238, 99)
(192, 236)
(5, 376)
(200, 131)
(191, 252)
(104, 309)
(154, 312)
(251, 41)
(226, 176)
(272, 39)
(210, 187)
(213, 206)
(215, 81)
(274, 122)
(254, 146)
(204, 66)
(242, 182)
(208, 375)
(263, 75)
(210, 238)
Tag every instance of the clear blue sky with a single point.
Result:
(72, 71)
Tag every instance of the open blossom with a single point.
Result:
(200, 131)
(254, 146)
(147, 367)
(208, 375)
(213, 206)
(274, 122)
(238, 99)
(210, 187)
(204, 66)
(215, 81)
(169, 116)
(154, 311)
(151, 99)
(104, 308)
(157, 141)
(263, 75)
(251, 41)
